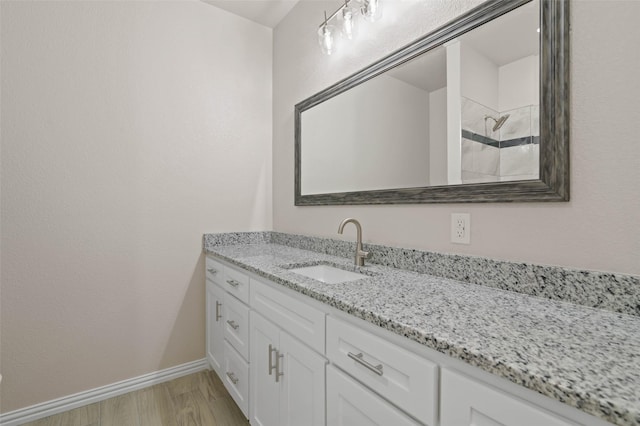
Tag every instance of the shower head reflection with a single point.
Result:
(499, 121)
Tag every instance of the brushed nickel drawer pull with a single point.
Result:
(233, 283)
(218, 314)
(233, 324)
(212, 270)
(278, 373)
(271, 366)
(359, 359)
(233, 378)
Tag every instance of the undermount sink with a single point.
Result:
(328, 274)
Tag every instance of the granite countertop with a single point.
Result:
(584, 357)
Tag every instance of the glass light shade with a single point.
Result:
(348, 23)
(371, 10)
(326, 39)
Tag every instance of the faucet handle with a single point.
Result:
(361, 255)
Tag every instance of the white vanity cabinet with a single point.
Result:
(271, 347)
(467, 402)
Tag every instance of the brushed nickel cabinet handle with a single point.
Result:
(218, 314)
(278, 372)
(233, 283)
(233, 324)
(359, 359)
(212, 270)
(233, 378)
(271, 366)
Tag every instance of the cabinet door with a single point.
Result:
(215, 327)
(468, 402)
(302, 391)
(351, 404)
(264, 338)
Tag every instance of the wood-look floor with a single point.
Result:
(198, 399)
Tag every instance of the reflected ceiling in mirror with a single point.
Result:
(453, 117)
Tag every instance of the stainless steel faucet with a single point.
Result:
(360, 254)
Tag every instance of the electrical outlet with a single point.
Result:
(461, 228)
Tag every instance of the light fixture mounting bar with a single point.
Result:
(333, 15)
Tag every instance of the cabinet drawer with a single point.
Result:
(468, 402)
(236, 324)
(236, 377)
(351, 404)
(236, 283)
(404, 378)
(296, 317)
(214, 270)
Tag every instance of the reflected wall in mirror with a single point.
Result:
(453, 117)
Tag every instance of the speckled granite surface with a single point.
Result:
(586, 358)
(614, 292)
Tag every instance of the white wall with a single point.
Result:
(598, 229)
(519, 83)
(129, 130)
(438, 137)
(384, 122)
(454, 114)
(478, 77)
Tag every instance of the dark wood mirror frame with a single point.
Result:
(553, 182)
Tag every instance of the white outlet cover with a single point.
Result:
(461, 228)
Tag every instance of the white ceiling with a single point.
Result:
(509, 37)
(265, 12)
(428, 72)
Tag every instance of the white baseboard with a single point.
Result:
(70, 402)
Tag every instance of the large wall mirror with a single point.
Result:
(476, 111)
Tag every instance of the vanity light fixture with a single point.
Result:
(370, 11)
(326, 36)
(348, 22)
